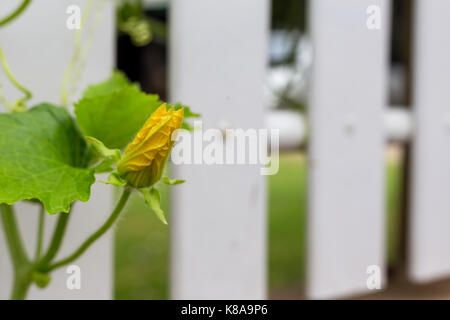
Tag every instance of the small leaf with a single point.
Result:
(115, 180)
(109, 156)
(168, 181)
(102, 150)
(41, 279)
(187, 126)
(105, 166)
(187, 111)
(153, 200)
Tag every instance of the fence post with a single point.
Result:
(346, 167)
(429, 254)
(218, 227)
(39, 46)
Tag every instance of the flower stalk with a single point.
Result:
(46, 267)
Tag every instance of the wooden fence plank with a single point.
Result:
(218, 236)
(346, 172)
(430, 201)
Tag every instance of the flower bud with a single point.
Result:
(144, 159)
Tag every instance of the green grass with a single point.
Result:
(142, 241)
(394, 177)
(141, 252)
(287, 219)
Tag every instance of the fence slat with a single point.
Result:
(217, 60)
(346, 173)
(430, 200)
(39, 46)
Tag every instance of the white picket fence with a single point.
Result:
(218, 223)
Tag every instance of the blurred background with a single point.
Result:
(142, 243)
(142, 267)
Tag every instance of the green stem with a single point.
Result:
(40, 233)
(15, 13)
(19, 105)
(58, 235)
(22, 282)
(97, 234)
(21, 265)
(14, 242)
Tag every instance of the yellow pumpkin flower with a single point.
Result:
(144, 159)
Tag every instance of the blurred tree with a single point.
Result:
(141, 52)
(289, 15)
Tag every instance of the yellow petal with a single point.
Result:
(144, 158)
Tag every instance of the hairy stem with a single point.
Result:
(95, 236)
(58, 235)
(14, 242)
(21, 266)
(22, 282)
(40, 233)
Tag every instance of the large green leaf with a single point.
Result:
(115, 118)
(42, 156)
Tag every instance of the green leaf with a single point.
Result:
(116, 117)
(109, 156)
(116, 82)
(115, 180)
(43, 156)
(168, 181)
(153, 200)
(187, 126)
(187, 112)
